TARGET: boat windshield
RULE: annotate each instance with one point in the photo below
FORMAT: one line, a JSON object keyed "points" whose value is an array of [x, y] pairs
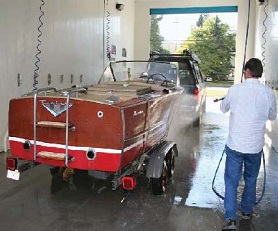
{"points": [[151, 71]]}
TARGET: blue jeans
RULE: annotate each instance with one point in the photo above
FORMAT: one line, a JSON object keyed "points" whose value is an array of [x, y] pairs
{"points": [[233, 173]]}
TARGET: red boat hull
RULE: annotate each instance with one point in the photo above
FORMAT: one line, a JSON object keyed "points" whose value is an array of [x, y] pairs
{"points": [[117, 133]]}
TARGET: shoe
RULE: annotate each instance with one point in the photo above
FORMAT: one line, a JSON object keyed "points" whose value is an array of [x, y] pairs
{"points": [[231, 225], [246, 216]]}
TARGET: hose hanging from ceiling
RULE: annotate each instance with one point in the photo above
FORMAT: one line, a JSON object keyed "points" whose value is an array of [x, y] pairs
{"points": [[263, 34], [106, 30], [246, 38], [108, 54], [36, 75]]}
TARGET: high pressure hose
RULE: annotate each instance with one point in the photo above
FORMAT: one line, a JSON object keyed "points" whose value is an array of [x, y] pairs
{"points": [[213, 188], [263, 34], [221, 196], [107, 29], [36, 75]]}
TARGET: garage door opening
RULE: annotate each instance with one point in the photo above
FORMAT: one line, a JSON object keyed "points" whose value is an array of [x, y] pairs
{"points": [[210, 32]]}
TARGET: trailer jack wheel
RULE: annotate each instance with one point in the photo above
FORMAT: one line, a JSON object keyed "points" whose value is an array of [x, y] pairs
{"points": [[159, 184]]}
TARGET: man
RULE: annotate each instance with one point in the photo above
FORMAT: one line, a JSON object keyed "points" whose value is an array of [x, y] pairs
{"points": [[250, 104]]}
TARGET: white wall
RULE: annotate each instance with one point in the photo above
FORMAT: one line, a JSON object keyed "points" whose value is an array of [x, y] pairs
{"points": [[267, 40], [74, 35], [268, 15]]}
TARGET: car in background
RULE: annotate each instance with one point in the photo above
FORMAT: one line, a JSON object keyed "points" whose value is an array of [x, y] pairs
{"points": [[209, 79], [190, 77]]}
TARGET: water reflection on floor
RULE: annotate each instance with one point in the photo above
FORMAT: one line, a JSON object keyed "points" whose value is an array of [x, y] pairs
{"points": [[210, 149], [205, 150]]}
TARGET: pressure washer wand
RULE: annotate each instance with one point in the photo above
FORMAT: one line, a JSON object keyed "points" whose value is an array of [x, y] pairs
{"points": [[216, 100]]}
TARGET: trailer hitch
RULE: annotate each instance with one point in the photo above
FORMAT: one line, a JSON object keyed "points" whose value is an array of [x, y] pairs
{"points": [[128, 184]]}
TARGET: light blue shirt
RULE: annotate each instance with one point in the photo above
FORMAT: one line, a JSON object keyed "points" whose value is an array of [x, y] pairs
{"points": [[250, 104]]}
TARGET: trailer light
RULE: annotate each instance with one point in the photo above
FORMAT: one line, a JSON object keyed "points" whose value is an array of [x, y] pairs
{"points": [[91, 154], [11, 163], [27, 145], [128, 183], [196, 91]]}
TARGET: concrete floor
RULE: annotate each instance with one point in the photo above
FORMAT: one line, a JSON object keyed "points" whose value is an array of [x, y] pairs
{"points": [[188, 204]]}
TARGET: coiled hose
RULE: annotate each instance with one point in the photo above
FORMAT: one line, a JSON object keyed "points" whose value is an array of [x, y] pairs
{"points": [[108, 54], [263, 34], [36, 75]]}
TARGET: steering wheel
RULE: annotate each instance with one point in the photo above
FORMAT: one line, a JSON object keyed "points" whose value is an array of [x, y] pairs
{"points": [[160, 75], [183, 72], [144, 75]]}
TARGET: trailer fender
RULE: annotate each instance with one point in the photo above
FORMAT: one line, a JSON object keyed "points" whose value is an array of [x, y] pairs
{"points": [[156, 161]]}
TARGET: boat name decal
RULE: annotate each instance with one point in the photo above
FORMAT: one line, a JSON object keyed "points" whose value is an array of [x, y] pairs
{"points": [[136, 113], [55, 108]]}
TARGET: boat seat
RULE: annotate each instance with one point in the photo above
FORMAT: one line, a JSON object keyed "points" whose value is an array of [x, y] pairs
{"points": [[115, 92]]}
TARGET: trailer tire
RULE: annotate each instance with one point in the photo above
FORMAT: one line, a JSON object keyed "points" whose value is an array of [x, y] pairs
{"points": [[170, 163], [54, 170], [159, 185], [196, 122]]}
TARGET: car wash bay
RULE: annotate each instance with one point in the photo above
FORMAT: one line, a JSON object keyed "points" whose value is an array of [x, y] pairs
{"points": [[188, 204]]}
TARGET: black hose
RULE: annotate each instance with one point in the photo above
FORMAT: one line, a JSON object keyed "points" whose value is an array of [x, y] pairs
{"points": [[263, 34], [108, 54], [221, 196], [213, 188]]}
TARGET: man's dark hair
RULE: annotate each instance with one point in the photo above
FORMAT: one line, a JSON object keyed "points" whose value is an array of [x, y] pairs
{"points": [[255, 67]]}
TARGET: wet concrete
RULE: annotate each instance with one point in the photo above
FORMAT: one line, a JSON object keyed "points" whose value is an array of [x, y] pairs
{"points": [[188, 204]]}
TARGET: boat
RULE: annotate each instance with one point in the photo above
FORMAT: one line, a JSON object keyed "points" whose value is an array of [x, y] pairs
{"points": [[109, 128]]}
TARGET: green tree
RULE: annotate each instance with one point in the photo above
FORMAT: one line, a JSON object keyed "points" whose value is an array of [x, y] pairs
{"points": [[201, 20], [214, 43], [155, 37]]}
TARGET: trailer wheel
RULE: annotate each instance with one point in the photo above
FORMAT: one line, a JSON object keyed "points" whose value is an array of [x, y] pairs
{"points": [[170, 163], [57, 182], [54, 170], [159, 184], [196, 122]]}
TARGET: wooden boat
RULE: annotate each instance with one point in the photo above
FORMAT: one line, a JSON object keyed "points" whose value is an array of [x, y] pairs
{"points": [[103, 128]]}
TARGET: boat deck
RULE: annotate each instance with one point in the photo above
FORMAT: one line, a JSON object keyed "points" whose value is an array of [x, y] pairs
{"points": [[110, 93]]}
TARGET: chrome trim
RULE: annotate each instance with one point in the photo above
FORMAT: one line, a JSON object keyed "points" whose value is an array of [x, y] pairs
{"points": [[67, 131], [29, 145], [100, 114], [55, 108], [91, 150], [75, 90], [35, 114]]}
